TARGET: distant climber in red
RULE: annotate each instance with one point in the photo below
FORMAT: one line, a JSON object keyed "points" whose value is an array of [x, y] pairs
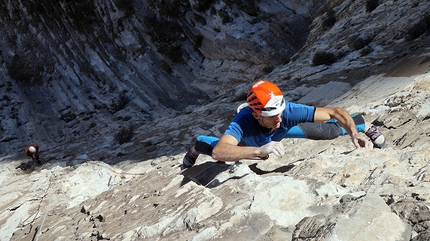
{"points": [[32, 151]]}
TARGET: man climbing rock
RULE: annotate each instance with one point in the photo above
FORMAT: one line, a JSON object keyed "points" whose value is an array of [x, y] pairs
{"points": [[267, 118], [32, 151]]}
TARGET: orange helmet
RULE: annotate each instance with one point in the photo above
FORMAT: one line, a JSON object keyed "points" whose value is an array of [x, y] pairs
{"points": [[266, 98]]}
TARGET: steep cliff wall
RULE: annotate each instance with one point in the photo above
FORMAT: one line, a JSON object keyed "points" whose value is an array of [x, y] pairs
{"points": [[76, 72]]}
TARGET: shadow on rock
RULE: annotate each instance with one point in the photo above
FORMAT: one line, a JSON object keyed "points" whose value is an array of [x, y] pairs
{"points": [[282, 169], [213, 174], [30, 166], [205, 173]]}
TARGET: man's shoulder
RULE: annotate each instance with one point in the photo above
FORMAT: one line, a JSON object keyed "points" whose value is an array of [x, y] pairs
{"points": [[292, 107], [298, 112], [244, 113], [299, 105]]}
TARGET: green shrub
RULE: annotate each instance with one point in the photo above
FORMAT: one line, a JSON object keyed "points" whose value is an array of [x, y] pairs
{"points": [[126, 6], [92, 125], [224, 16], [165, 66], [173, 52], [23, 69], [268, 69], [173, 8], [255, 20], [329, 20], [200, 19], [82, 14], [419, 28], [48, 8], [198, 40], [371, 5], [366, 50], [203, 5], [168, 37], [326, 58], [125, 134], [247, 6], [68, 116], [285, 59], [118, 103], [359, 42]]}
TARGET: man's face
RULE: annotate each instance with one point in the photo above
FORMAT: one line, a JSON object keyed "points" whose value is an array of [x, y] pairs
{"points": [[272, 122]]}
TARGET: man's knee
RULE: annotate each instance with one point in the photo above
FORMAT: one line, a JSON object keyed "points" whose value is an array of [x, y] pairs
{"points": [[205, 144], [321, 131], [359, 121], [203, 148]]}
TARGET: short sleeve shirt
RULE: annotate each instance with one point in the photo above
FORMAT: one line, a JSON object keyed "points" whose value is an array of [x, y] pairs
{"points": [[246, 129]]}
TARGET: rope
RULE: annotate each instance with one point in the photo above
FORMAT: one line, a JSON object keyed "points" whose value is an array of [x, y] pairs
{"points": [[39, 230], [112, 170], [46, 210]]}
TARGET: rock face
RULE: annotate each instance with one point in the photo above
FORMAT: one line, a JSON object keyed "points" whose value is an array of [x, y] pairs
{"points": [[77, 73], [87, 81], [320, 190]]}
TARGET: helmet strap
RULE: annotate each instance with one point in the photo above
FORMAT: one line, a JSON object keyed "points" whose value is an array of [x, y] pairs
{"points": [[261, 120]]}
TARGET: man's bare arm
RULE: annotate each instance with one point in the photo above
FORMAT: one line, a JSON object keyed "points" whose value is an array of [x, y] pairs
{"points": [[227, 150], [341, 115], [345, 120]]}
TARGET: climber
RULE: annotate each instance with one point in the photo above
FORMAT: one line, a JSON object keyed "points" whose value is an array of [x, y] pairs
{"points": [[32, 151], [258, 128]]}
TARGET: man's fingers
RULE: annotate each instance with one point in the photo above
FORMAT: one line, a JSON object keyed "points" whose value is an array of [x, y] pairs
{"points": [[274, 147], [279, 149], [362, 142], [276, 152], [356, 142], [369, 145]]}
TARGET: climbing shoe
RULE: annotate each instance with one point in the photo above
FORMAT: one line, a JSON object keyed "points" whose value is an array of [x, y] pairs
{"points": [[376, 136], [189, 159]]}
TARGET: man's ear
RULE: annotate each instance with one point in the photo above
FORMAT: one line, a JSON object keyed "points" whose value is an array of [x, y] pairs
{"points": [[256, 116]]}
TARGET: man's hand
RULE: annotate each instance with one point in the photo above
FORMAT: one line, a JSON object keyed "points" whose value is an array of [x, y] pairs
{"points": [[272, 147], [362, 142]]}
